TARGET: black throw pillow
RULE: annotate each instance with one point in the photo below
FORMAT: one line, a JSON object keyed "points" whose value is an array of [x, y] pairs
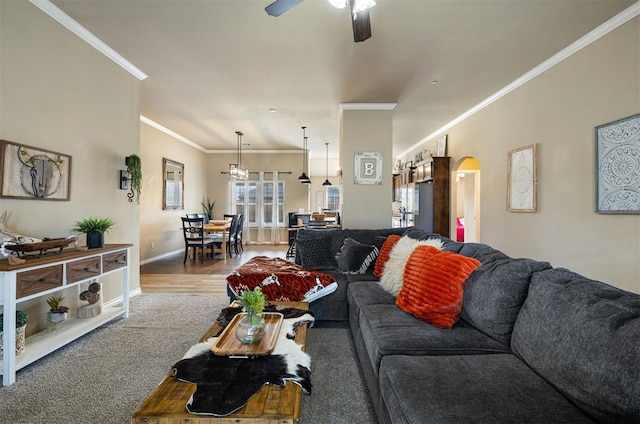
{"points": [[356, 258]]}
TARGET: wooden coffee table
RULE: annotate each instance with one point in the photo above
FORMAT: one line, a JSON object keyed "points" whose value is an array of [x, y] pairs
{"points": [[272, 404]]}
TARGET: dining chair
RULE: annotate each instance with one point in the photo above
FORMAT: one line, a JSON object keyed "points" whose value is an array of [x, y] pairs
{"points": [[193, 232], [237, 241], [231, 233]]}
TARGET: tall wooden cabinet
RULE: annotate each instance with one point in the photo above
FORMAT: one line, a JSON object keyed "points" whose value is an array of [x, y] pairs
{"points": [[432, 189]]}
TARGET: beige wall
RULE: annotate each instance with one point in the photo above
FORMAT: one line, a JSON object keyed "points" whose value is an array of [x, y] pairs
{"points": [[160, 229], [365, 205], [558, 110], [60, 94]]}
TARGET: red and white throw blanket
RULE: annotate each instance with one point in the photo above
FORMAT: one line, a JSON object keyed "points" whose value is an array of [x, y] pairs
{"points": [[281, 280]]}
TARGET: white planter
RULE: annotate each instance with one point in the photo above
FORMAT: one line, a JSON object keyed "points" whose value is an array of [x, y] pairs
{"points": [[55, 317], [20, 341]]}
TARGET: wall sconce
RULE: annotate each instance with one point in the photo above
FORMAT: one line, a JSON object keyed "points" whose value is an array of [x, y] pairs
{"points": [[131, 177]]}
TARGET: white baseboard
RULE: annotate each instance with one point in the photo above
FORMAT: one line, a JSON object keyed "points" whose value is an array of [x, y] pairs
{"points": [[118, 300], [157, 258]]}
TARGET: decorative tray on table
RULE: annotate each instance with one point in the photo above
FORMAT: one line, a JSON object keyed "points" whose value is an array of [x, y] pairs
{"points": [[229, 345]]}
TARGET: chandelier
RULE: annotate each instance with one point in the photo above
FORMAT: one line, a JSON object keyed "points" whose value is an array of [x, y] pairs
{"points": [[236, 170]]}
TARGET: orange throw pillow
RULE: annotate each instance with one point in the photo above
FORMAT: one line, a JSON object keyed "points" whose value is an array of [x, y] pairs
{"points": [[383, 256], [433, 282]]}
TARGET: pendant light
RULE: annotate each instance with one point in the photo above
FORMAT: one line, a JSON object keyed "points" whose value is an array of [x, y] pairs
{"points": [[327, 182], [303, 178], [236, 170], [306, 160]]}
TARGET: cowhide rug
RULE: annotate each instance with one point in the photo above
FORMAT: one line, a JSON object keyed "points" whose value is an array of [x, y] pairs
{"points": [[225, 384]]}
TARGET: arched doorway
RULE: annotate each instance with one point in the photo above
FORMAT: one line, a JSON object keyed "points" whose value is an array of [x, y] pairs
{"points": [[466, 175]]}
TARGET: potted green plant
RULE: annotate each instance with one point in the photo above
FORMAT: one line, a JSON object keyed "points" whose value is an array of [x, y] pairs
{"points": [[57, 312], [251, 327], [21, 325], [207, 207], [134, 168], [94, 228]]}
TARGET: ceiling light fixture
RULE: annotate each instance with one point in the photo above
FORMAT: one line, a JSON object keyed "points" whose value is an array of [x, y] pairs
{"points": [[236, 170], [340, 4], [327, 182], [361, 6], [306, 160], [303, 177]]}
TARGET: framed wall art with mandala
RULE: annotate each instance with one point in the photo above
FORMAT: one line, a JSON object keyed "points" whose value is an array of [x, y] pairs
{"points": [[32, 173], [522, 180], [618, 166]]}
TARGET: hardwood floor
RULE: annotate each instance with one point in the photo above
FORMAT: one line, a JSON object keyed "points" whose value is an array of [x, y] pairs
{"points": [[170, 276]]}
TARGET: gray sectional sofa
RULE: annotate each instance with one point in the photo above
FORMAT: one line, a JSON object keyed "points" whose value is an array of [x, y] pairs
{"points": [[535, 344]]}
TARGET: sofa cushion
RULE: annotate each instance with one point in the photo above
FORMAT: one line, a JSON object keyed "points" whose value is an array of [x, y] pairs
{"points": [[433, 282], [583, 337], [482, 252], [385, 251], [332, 307], [356, 257], [364, 293], [386, 330], [494, 294], [470, 389]]}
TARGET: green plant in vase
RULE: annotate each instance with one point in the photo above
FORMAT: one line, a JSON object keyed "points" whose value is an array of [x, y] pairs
{"points": [[94, 228], [207, 207], [251, 327], [134, 168], [21, 323]]}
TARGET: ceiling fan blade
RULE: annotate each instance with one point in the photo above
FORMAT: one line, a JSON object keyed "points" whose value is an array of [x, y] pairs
{"points": [[361, 26], [278, 7]]}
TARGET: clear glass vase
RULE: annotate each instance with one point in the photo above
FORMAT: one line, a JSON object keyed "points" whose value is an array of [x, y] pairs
{"points": [[250, 328]]}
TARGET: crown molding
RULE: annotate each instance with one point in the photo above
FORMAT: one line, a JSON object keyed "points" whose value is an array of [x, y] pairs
{"points": [[170, 133], [193, 144], [599, 32], [65, 20], [254, 152]]}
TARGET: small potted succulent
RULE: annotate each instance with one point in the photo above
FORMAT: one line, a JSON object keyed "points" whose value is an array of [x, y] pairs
{"points": [[21, 324], [94, 228], [251, 327], [57, 312]]}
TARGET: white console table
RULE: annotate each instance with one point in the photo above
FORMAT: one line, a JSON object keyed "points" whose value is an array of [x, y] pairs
{"points": [[47, 274]]}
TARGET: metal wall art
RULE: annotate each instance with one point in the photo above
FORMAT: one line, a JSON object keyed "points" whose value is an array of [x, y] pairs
{"points": [[32, 173], [618, 166], [368, 168], [522, 181]]}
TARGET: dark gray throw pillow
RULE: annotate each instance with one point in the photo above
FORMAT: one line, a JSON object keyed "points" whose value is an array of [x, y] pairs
{"points": [[316, 253], [356, 258]]}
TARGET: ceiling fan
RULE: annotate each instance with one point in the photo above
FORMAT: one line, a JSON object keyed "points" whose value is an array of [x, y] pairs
{"points": [[359, 9]]}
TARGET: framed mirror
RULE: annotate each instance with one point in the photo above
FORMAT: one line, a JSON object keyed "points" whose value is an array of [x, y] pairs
{"points": [[173, 177]]}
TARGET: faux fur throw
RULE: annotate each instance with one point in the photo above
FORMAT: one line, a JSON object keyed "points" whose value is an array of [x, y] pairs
{"points": [[225, 384], [281, 280]]}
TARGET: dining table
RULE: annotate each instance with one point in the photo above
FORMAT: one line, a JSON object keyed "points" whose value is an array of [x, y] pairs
{"points": [[219, 227]]}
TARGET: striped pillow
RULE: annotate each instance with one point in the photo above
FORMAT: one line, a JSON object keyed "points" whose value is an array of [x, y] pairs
{"points": [[383, 256], [433, 283]]}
